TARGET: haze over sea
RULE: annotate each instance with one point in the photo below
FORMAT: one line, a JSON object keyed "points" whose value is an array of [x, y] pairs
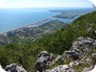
{"points": [[15, 18]]}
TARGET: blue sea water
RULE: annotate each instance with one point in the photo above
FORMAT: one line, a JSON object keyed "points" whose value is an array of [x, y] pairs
{"points": [[15, 18], [11, 19]]}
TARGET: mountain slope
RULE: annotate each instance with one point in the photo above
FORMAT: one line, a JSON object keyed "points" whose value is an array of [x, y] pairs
{"points": [[61, 40], [29, 34], [56, 43]]}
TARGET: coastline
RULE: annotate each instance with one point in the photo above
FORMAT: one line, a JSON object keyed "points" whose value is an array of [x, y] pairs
{"points": [[38, 23], [34, 24]]}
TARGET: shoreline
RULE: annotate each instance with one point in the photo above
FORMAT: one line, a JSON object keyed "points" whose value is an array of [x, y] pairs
{"points": [[34, 24]]}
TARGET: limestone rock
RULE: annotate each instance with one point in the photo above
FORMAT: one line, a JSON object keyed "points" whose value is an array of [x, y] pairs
{"points": [[86, 69], [14, 68], [43, 61], [94, 58], [61, 68], [71, 54], [83, 42]]}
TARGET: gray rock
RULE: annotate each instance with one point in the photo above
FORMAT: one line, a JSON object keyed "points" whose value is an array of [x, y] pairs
{"points": [[86, 69], [88, 60], [59, 58], [71, 54], [95, 31], [43, 61], [84, 43], [94, 58], [79, 48], [14, 68], [75, 63], [61, 68], [94, 44]]}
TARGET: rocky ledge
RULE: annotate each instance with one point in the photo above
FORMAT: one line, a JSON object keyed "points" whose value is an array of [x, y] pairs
{"points": [[81, 54]]}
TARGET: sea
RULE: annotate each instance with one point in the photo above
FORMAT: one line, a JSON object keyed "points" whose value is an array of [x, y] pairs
{"points": [[11, 19]]}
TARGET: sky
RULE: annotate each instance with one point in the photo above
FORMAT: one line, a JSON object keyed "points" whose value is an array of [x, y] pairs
{"points": [[93, 2], [44, 3]]}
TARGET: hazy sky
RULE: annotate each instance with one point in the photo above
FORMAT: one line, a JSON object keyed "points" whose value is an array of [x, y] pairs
{"points": [[44, 3]]}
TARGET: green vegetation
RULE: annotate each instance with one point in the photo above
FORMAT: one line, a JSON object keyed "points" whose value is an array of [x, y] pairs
{"points": [[62, 39], [72, 13], [30, 34], [56, 43]]}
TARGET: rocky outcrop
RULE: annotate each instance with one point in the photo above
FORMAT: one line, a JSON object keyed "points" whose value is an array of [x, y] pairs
{"points": [[86, 69], [14, 68], [61, 68], [79, 47], [94, 58], [43, 62], [77, 53], [84, 43], [78, 50], [71, 54]]}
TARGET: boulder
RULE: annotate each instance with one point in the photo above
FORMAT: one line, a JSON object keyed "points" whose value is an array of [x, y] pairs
{"points": [[82, 42], [14, 68], [43, 61], [79, 47]]}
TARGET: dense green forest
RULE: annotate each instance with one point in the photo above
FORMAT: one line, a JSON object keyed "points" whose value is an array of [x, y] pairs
{"points": [[56, 43]]}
